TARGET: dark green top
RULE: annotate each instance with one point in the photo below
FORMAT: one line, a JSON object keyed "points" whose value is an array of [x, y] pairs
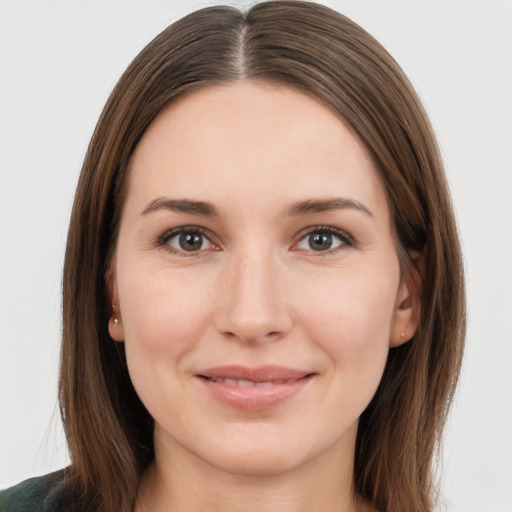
{"points": [[41, 494]]}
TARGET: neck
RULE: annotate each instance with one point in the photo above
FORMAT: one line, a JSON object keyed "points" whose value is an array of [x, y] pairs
{"points": [[185, 483]]}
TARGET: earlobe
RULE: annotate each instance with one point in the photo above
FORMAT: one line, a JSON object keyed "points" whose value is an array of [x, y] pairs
{"points": [[408, 303], [115, 327], [115, 324]]}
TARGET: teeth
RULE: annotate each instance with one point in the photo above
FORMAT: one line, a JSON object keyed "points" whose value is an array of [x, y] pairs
{"points": [[247, 383]]}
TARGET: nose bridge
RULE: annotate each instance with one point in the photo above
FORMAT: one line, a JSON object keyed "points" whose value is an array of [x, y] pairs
{"points": [[254, 307]]}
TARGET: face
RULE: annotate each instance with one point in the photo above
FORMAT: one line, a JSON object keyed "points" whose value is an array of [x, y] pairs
{"points": [[256, 280]]}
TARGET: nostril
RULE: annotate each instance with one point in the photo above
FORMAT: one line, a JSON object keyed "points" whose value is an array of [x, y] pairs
{"points": [[251, 336]]}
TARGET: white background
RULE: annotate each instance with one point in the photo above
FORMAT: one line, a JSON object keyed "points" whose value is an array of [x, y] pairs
{"points": [[58, 62]]}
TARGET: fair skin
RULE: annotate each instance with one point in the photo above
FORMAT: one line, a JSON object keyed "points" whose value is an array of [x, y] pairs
{"points": [[255, 245]]}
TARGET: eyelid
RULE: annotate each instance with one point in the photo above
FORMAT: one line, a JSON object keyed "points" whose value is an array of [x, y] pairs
{"points": [[163, 239], [347, 239]]}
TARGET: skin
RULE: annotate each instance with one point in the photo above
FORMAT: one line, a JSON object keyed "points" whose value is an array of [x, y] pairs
{"points": [[254, 293]]}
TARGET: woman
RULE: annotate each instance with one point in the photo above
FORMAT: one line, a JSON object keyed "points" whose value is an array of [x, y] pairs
{"points": [[263, 293]]}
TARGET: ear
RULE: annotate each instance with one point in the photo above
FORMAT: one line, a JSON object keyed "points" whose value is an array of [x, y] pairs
{"points": [[115, 323], [408, 301]]}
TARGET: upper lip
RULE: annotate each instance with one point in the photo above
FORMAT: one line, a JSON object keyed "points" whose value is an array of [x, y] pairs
{"points": [[267, 373]]}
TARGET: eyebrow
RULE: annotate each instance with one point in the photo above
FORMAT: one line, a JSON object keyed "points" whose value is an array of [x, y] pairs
{"points": [[307, 207], [323, 205], [183, 206]]}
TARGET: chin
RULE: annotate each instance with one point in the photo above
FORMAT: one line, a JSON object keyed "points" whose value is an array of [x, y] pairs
{"points": [[253, 456], [258, 465]]}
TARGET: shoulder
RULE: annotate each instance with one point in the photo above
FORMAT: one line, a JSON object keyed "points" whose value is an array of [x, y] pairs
{"points": [[41, 494]]}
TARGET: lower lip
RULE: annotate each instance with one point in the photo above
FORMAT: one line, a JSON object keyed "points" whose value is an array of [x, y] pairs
{"points": [[254, 398]]}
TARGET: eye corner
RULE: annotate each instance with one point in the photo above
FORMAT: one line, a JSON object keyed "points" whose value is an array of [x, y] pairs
{"points": [[323, 237], [198, 239]]}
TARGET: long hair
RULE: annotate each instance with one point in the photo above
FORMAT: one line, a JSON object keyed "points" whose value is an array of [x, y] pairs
{"points": [[313, 49]]}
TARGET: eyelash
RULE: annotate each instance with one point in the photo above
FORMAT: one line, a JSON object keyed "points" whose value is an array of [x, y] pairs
{"points": [[346, 240], [163, 240]]}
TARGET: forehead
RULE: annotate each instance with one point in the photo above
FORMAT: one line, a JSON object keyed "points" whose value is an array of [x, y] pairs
{"points": [[246, 140]]}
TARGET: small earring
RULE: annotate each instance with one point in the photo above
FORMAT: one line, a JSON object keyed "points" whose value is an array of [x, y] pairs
{"points": [[116, 321], [403, 335]]}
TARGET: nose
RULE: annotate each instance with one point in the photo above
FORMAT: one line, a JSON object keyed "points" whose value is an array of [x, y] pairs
{"points": [[253, 300]]}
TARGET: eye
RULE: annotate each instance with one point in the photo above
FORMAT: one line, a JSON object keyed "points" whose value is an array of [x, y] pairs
{"points": [[188, 240], [324, 239]]}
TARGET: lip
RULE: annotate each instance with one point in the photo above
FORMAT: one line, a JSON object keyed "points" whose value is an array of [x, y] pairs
{"points": [[261, 388]]}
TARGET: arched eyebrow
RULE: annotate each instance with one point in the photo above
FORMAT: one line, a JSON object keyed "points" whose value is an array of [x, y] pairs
{"points": [[183, 206], [311, 206], [307, 207]]}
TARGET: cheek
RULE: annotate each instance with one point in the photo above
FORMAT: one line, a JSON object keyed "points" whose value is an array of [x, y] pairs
{"points": [[164, 320], [162, 314], [350, 319]]}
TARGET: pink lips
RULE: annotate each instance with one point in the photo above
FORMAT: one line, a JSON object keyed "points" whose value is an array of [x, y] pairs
{"points": [[253, 389]]}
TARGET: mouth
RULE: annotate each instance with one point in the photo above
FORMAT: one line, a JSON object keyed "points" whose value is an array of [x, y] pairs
{"points": [[242, 383], [254, 389]]}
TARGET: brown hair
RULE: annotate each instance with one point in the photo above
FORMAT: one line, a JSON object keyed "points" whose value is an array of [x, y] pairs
{"points": [[314, 49]]}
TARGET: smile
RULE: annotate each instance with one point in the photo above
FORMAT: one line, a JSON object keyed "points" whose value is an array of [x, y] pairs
{"points": [[254, 389], [247, 383]]}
